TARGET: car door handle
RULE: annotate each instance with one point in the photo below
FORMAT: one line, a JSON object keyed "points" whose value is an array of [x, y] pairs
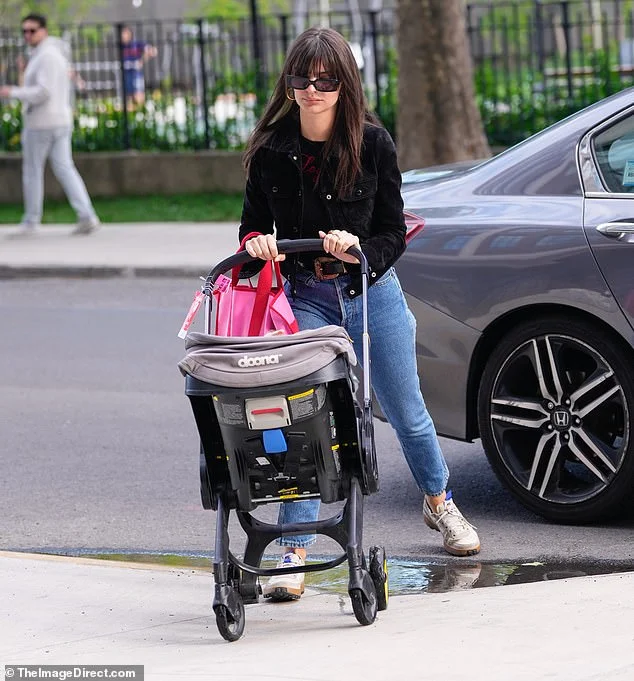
{"points": [[616, 229]]}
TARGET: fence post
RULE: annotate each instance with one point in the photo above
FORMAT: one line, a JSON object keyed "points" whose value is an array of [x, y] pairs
{"points": [[565, 24], [539, 34], [284, 29], [203, 76], [377, 78], [124, 94], [257, 50]]}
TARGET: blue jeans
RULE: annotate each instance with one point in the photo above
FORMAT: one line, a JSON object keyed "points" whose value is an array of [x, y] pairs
{"points": [[392, 330]]}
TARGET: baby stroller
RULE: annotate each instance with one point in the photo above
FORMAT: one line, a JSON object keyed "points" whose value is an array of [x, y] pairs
{"points": [[278, 421]]}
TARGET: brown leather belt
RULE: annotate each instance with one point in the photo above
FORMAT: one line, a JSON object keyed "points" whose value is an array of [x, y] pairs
{"points": [[328, 268]]}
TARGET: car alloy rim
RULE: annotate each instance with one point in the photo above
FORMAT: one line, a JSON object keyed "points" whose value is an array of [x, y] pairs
{"points": [[559, 418]]}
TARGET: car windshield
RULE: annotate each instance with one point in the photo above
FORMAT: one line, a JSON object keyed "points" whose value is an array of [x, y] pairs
{"points": [[424, 174]]}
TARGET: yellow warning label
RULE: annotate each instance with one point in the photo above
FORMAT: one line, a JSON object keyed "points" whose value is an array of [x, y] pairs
{"points": [[306, 394], [289, 491]]}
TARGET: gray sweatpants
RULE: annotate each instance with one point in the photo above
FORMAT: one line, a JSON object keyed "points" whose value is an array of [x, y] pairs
{"points": [[53, 144]]}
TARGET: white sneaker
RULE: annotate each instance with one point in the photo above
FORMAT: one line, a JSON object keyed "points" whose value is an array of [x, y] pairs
{"points": [[86, 226], [459, 536], [26, 231], [286, 587]]}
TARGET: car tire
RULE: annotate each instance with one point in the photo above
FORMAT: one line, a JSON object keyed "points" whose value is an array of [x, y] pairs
{"points": [[555, 409]]}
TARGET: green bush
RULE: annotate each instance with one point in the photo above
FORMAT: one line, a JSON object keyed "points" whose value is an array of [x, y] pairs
{"points": [[163, 124]]}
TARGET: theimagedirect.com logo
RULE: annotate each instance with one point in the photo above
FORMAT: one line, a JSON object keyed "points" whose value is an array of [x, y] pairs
{"points": [[65, 672]]}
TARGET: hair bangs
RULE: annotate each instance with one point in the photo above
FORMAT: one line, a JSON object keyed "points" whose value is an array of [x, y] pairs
{"points": [[315, 57]]}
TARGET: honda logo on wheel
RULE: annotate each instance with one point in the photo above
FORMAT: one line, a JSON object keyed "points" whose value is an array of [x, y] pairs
{"points": [[561, 419]]}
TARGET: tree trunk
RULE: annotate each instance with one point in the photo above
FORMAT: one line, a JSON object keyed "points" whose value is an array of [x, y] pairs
{"points": [[438, 118]]}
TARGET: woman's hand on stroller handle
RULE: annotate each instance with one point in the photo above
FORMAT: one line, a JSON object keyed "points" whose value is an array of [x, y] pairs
{"points": [[264, 247], [283, 246], [337, 242]]}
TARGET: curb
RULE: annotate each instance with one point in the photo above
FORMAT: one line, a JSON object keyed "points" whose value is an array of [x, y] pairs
{"points": [[98, 271], [131, 565], [97, 562]]}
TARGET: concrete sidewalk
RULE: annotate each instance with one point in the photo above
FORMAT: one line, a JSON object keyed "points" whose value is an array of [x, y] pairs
{"points": [[79, 611], [144, 249]]}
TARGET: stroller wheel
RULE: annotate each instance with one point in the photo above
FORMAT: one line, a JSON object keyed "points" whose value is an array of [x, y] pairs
{"points": [[365, 609], [230, 628], [378, 572]]}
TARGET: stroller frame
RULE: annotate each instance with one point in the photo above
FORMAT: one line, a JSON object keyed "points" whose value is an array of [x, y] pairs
{"points": [[236, 581]]}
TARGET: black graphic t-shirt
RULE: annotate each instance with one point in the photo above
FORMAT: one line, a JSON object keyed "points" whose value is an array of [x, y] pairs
{"points": [[315, 215]]}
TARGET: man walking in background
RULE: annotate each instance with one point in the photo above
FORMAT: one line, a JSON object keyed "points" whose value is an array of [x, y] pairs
{"points": [[47, 129]]}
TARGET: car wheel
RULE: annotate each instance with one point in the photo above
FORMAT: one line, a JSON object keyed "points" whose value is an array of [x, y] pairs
{"points": [[554, 408]]}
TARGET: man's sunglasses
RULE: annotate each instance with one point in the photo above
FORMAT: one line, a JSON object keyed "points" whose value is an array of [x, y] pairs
{"points": [[320, 84], [28, 31]]}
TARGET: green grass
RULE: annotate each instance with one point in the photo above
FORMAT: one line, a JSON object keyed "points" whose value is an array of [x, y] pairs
{"points": [[211, 207]]}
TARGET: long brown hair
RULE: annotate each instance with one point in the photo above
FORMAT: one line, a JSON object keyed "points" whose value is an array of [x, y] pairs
{"points": [[327, 48]]}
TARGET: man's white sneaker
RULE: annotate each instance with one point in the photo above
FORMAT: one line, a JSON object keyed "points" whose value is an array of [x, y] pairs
{"points": [[26, 231], [86, 227], [286, 587], [459, 536]]}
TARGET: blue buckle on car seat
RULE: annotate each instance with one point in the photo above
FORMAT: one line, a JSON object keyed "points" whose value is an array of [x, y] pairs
{"points": [[274, 441]]}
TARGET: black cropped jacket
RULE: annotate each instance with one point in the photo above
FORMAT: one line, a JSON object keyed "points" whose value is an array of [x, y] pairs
{"points": [[373, 210]]}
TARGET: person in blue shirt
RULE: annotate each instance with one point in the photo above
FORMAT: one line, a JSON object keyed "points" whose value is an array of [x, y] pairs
{"points": [[134, 55]]}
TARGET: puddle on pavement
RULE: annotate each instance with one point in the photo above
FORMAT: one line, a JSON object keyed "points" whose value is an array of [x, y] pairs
{"points": [[405, 576]]}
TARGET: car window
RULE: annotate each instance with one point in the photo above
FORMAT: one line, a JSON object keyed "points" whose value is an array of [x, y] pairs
{"points": [[614, 152]]}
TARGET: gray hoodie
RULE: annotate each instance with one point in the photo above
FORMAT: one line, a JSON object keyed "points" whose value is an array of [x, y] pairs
{"points": [[46, 90]]}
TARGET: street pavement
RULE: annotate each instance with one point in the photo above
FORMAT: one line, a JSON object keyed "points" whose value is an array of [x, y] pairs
{"points": [[73, 611]]}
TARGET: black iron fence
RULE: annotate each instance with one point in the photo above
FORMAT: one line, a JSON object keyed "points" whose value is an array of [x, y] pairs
{"points": [[201, 84]]}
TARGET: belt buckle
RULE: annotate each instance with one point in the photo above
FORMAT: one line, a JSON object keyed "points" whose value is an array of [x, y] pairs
{"points": [[318, 266]]}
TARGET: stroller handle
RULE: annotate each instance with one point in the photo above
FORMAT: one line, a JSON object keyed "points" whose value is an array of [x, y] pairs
{"points": [[307, 245], [283, 246]]}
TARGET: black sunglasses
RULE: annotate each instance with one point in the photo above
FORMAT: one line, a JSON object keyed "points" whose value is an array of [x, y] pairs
{"points": [[320, 84], [30, 30]]}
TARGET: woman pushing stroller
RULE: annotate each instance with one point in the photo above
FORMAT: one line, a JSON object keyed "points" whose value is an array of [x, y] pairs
{"points": [[319, 165]]}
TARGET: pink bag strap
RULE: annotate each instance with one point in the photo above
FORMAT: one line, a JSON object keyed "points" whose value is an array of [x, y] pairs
{"points": [[265, 283], [235, 272], [263, 290], [250, 235], [262, 295]]}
